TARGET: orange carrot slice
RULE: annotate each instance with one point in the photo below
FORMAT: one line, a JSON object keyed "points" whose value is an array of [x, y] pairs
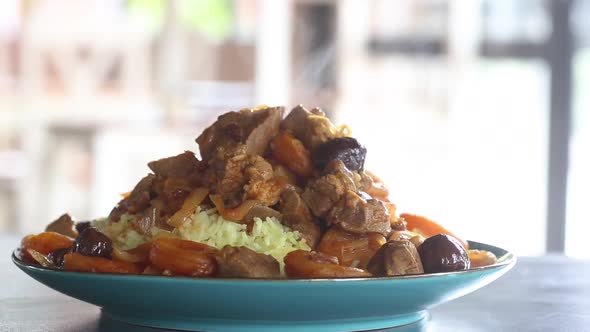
{"points": [[290, 152], [81, 263], [427, 227]]}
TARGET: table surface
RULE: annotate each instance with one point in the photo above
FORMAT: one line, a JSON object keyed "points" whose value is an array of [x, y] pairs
{"points": [[550, 293]]}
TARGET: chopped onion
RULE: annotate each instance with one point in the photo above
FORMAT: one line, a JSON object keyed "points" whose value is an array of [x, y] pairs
{"points": [[188, 208], [128, 257], [41, 259], [235, 214]]}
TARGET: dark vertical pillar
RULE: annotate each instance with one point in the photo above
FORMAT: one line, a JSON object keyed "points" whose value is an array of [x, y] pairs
{"points": [[560, 55]]}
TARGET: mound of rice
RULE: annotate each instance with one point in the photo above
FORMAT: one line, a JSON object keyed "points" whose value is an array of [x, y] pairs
{"points": [[268, 236]]}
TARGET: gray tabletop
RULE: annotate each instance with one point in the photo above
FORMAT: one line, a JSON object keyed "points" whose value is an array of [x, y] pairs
{"points": [[549, 293]]}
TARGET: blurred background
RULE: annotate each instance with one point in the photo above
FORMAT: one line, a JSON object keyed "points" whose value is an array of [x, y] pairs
{"points": [[473, 112]]}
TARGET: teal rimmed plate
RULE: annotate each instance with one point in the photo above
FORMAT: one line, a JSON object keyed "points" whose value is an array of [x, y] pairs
{"points": [[239, 305]]}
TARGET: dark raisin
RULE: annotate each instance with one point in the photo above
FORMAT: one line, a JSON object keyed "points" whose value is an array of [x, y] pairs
{"points": [[81, 226], [91, 242], [57, 256]]}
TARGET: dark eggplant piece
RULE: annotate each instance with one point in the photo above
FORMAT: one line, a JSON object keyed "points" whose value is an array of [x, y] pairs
{"points": [[346, 149], [91, 242], [443, 253]]}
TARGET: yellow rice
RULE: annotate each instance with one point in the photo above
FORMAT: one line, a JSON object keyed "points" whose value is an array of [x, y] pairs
{"points": [[268, 236]]}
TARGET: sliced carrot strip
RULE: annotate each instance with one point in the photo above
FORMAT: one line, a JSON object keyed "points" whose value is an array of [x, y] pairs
{"points": [[427, 227], [80, 263], [290, 152], [44, 243]]}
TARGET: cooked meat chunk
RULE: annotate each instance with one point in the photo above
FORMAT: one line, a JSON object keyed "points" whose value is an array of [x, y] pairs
{"points": [[257, 169], [174, 179], [312, 128], [373, 186], [258, 140], [243, 177], [322, 193], [396, 258], [291, 203], [346, 149], [242, 262], [355, 215], [254, 128], [296, 216], [172, 192], [181, 166], [63, 225], [266, 192], [137, 201]]}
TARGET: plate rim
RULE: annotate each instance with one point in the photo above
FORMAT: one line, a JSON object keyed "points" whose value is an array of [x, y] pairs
{"points": [[507, 260]]}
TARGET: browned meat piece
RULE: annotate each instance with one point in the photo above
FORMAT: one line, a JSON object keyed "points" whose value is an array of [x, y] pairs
{"points": [[312, 128], [257, 169], [245, 177], [291, 203], [172, 192], [322, 193], [296, 216], [373, 186], [355, 215], [266, 192], [396, 258], [63, 225], [181, 166], [137, 201], [228, 176], [259, 138], [242, 262], [253, 128], [175, 177]]}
